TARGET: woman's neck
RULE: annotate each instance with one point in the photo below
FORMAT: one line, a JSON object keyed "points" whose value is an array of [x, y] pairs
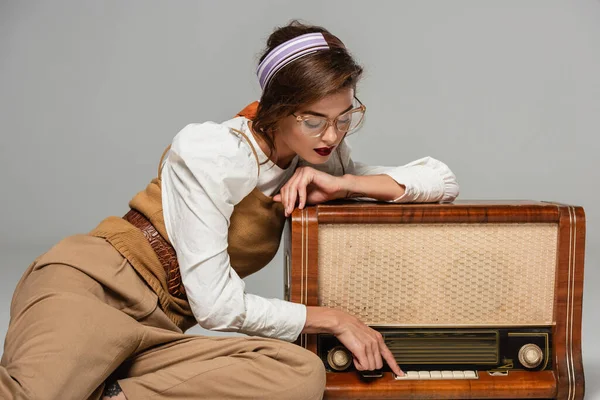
{"points": [[282, 156]]}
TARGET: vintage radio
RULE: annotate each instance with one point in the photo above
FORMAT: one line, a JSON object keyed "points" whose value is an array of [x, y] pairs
{"points": [[475, 299]]}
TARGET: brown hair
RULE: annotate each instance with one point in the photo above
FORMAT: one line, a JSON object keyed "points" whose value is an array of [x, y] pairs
{"points": [[303, 81]]}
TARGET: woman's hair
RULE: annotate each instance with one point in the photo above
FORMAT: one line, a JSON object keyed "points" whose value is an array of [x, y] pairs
{"points": [[303, 81]]}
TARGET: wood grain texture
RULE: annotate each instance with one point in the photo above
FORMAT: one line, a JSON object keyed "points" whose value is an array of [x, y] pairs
{"points": [[304, 265], [565, 381], [459, 212], [568, 364], [517, 385]]}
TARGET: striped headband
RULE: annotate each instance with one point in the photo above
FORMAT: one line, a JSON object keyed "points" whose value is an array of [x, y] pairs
{"points": [[287, 52]]}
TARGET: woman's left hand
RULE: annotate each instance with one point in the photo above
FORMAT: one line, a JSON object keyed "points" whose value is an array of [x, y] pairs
{"points": [[311, 186]]}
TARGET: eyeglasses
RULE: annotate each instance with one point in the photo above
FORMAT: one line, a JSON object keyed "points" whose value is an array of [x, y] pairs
{"points": [[348, 122]]}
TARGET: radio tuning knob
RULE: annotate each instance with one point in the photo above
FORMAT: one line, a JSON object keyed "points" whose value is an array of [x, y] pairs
{"points": [[530, 355], [339, 358]]}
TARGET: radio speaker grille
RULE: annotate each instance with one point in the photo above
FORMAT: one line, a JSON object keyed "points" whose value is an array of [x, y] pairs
{"points": [[439, 274]]}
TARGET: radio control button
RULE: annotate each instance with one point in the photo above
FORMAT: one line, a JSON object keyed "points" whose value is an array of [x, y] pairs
{"points": [[530, 355], [412, 375], [339, 358], [424, 375], [436, 374], [470, 375], [458, 374], [447, 374]]}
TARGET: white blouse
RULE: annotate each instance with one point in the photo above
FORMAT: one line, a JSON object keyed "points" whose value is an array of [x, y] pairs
{"points": [[208, 170]]}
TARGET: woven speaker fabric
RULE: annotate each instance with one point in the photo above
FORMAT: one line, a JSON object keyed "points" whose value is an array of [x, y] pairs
{"points": [[439, 274]]}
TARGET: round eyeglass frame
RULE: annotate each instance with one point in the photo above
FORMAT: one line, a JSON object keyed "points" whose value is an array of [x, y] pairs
{"points": [[361, 107]]}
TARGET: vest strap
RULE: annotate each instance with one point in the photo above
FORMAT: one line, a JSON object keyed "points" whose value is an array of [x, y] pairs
{"points": [[160, 163], [251, 146]]}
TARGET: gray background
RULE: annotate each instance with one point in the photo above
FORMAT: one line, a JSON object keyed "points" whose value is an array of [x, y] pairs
{"points": [[507, 93]]}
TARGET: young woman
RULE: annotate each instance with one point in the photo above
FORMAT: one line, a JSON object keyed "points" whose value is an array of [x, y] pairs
{"points": [[113, 305]]}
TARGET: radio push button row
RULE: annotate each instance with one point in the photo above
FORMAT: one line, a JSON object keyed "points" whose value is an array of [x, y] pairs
{"points": [[443, 375], [530, 355], [339, 358]]}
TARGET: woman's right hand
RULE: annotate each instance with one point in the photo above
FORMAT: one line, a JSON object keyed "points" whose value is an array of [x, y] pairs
{"points": [[366, 344]]}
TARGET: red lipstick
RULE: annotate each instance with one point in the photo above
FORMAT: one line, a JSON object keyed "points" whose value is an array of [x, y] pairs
{"points": [[324, 151]]}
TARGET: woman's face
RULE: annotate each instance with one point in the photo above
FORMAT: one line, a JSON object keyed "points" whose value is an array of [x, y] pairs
{"points": [[290, 137]]}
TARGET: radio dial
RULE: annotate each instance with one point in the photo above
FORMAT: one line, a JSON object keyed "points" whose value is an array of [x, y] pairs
{"points": [[339, 358], [531, 355]]}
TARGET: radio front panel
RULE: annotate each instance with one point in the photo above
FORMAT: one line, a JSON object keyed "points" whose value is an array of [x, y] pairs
{"points": [[476, 299]]}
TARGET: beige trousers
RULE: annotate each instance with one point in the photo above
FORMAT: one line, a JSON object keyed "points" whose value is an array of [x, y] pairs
{"points": [[81, 313]]}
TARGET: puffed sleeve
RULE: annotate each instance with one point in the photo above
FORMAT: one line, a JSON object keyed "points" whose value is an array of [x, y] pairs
{"points": [[210, 169], [426, 180]]}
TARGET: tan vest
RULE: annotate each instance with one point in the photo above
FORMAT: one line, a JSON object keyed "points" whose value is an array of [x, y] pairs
{"points": [[254, 235]]}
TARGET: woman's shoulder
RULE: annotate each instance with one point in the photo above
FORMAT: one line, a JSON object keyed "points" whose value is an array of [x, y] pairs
{"points": [[221, 143], [212, 157]]}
